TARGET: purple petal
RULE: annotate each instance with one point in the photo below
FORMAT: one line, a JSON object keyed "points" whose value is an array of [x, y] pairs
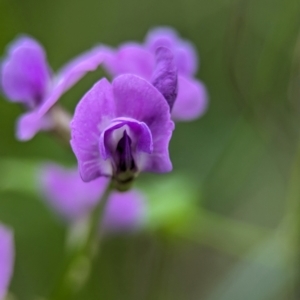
{"points": [[124, 212], [136, 98], [25, 72], [67, 194], [71, 74], [161, 37], [30, 123], [192, 100], [92, 115], [7, 254], [165, 75], [130, 58], [140, 140], [138, 131], [185, 54]]}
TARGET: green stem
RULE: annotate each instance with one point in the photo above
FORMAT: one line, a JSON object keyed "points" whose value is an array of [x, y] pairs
{"points": [[61, 124], [96, 219], [79, 262]]}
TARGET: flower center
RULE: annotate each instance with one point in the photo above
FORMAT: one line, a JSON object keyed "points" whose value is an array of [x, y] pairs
{"points": [[124, 159], [126, 142]]}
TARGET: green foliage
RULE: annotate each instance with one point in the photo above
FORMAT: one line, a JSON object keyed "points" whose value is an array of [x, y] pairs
{"points": [[172, 204]]}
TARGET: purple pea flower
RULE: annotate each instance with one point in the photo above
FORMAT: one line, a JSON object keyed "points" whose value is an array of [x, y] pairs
{"points": [[6, 259], [122, 128], [27, 78], [140, 59], [73, 199]]}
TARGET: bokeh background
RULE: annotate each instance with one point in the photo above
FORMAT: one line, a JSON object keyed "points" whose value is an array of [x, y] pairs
{"points": [[224, 225]]}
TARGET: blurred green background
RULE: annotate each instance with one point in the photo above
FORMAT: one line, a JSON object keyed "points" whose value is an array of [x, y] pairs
{"points": [[234, 233]]}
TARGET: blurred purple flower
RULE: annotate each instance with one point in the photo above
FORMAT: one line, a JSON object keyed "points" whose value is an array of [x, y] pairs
{"points": [[6, 259], [125, 211], [27, 78], [73, 199], [121, 129], [67, 194], [139, 59]]}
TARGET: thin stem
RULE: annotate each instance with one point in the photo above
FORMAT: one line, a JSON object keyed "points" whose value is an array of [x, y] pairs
{"points": [[96, 219], [78, 265], [61, 120]]}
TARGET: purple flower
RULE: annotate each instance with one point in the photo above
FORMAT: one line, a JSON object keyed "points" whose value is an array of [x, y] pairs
{"points": [[125, 211], [73, 199], [185, 54], [140, 59], [122, 128], [6, 259], [67, 194], [27, 78]]}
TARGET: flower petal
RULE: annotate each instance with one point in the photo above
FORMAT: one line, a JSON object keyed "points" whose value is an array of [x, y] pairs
{"points": [[165, 75], [138, 131], [124, 212], [130, 58], [140, 138], [30, 123], [136, 98], [71, 74], [92, 115], [67, 194], [185, 54], [25, 75], [7, 254], [192, 100]]}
